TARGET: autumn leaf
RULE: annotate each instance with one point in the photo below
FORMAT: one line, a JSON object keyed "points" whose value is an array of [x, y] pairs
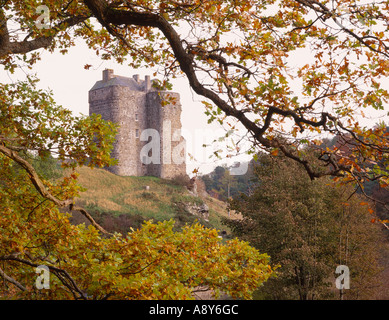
{"points": [[237, 57]]}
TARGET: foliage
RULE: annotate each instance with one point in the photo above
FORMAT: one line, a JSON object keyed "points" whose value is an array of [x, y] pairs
{"points": [[240, 56], [88, 263], [49, 167], [222, 185], [248, 54], [31, 121], [153, 262], [181, 180], [309, 228]]}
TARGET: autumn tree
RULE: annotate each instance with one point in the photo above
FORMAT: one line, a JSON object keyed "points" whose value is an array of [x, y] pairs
{"points": [[221, 183], [154, 262], [240, 56], [309, 228]]}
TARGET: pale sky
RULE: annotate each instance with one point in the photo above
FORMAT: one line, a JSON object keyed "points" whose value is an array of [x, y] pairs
{"points": [[70, 82]]}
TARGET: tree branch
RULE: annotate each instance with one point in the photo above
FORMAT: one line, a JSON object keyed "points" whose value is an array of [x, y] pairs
{"points": [[108, 15], [40, 187], [11, 280], [21, 47], [326, 14], [61, 274], [36, 181]]}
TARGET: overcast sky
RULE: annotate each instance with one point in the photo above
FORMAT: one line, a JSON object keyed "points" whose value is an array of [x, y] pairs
{"points": [[70, 82]]}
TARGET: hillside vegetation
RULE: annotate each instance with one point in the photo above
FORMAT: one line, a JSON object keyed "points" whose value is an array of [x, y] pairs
{"points": [[122, 203]]}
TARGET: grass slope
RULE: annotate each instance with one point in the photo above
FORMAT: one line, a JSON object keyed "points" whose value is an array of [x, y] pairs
{"points": [[110, 196]]}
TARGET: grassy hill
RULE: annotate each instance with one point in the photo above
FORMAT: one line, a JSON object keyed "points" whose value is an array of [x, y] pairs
{"points": [[119, 203]]}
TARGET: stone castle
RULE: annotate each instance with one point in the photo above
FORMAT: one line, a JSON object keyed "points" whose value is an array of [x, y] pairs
{"points": [[149, 141]]}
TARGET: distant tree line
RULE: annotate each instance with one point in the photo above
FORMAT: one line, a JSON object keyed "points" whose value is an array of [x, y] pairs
{"points": [[222, 185]]}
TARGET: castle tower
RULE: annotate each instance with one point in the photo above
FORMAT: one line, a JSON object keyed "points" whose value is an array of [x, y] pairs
{"points": [[149, 140]]}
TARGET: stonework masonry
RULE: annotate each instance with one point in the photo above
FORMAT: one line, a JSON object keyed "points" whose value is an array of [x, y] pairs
{"points": [[149, 140]]}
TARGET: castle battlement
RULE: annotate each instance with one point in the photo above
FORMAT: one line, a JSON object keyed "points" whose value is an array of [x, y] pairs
{"points": [[149, 140]]}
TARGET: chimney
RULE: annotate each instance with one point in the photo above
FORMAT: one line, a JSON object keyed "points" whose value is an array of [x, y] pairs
{"points": [[136, 77], [107, 74], [147, 83]]}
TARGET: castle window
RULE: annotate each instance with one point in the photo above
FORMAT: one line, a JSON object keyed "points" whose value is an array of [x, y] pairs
{"points": [[136, 117], [137, 133]]}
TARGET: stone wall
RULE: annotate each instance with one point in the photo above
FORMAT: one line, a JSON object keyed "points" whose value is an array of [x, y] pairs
{"points": [[137, 108], [166, 120]]}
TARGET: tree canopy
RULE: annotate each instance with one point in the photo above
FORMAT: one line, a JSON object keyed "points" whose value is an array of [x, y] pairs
{"points": [[288, 71], [154, 262], [309, 228], [242, 57]]}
